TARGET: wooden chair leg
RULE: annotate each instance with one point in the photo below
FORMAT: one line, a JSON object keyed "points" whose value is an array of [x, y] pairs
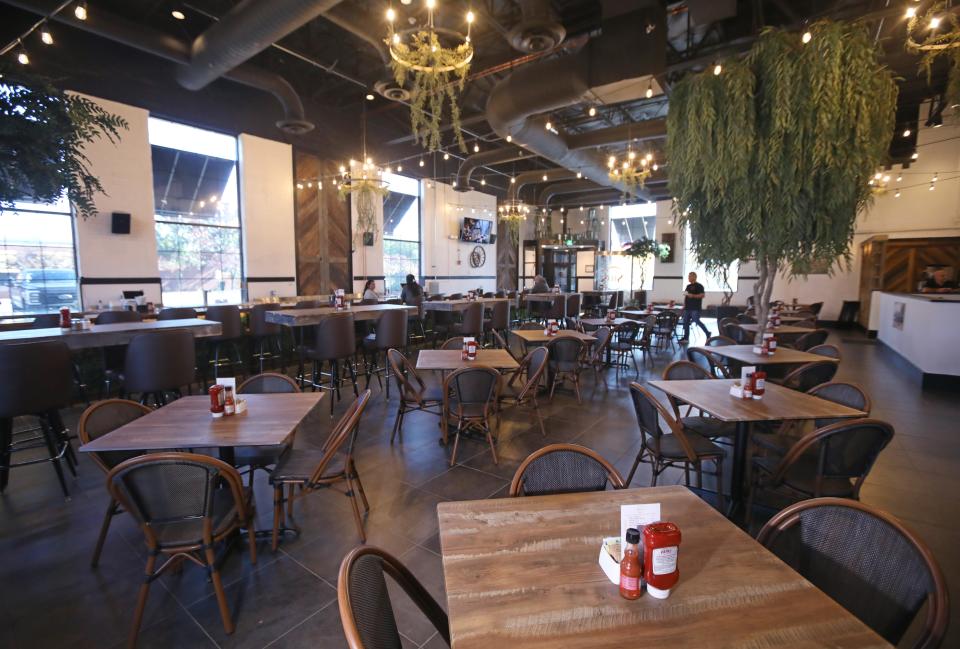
{"points": [[363, 494], [356, 509], [141, 601], [225, 616], [720, 502], [536, 410], [277, 515], [112, 508]]}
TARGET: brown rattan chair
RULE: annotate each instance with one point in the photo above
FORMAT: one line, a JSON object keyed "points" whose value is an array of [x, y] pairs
{"points": [[366, 611], [868, 562], [263, 457], [313, 469], [813, 339], [809, 375], [709, 362], [830, 351], [563, 469], [456, 342], [719, 341], [501, 343], [268, 383], [566, 354], [415, 393], [709, 427], [470, 398], [676, 448], [96, 421], [185, 504], [534, 364]]}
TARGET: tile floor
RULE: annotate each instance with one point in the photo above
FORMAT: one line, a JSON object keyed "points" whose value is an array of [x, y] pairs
{"points": [[51, 597]]}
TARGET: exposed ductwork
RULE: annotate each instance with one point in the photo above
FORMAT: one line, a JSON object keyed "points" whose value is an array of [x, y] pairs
{"points": [[631, 46], [565, 188], [351, 19], [492, 157], [537, 176], [246, 30], [538, 29], [167, 47]]}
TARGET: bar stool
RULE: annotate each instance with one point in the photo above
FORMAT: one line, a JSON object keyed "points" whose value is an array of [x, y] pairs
{"points": [[52, 321], [113, 357], [573, 306], [228, 315], [265, 333], [391, 331], [157, 363], [38, 383], [472, 322], [335, 341], [302, 338], [499, 320], [177, 313]]}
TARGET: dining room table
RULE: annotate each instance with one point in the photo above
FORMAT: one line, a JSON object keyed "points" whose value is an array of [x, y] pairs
{"points": [[109, 335], [745, 355], [523, 573], [452, 359], [639, 314], [313, 316], [713, 397], [461, 305]]}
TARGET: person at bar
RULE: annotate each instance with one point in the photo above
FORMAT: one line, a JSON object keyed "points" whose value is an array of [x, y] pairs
{"points": [[370, 291], [540, 285], [938, 283], [692, 306], [412, 293]]}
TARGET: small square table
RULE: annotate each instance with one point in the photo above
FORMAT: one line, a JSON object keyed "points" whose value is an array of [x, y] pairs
{"points": [[603, 322], [523, 573], [783, 356], [781, 330], [451, 359], [778, 404], [536, 336]]}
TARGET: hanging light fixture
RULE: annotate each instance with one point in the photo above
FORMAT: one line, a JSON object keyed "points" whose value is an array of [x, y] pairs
{"points": [[46, 37], [80, 11], [511, 214], [22, 57]]}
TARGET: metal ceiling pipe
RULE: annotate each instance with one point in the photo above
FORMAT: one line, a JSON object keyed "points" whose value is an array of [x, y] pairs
{"points": [[653, 129], [570, 203], [492, 157], [358, 23], [549, 192], [156, 43], [246, 30], [537, 176]]}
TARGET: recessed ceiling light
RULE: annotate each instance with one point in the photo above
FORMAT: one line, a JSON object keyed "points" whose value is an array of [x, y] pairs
{"points": [[179, 15], [369, 96]]}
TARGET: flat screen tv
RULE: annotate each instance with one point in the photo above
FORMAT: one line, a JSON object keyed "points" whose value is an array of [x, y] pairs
{"points": [[475, 230]]}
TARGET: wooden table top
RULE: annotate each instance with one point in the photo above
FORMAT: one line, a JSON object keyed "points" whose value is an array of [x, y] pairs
{"points": [[639, 314], [778, 403], [537, 335], [792, 318], [450, 359], [270, 419], [461, 305], [783, 355], [545, 297], [305, 317], [782, 329], [108, 335], [523, 573], [603, 322]]}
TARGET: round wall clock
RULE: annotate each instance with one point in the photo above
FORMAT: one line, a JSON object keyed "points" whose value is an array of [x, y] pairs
{"points": [[478, 257]]}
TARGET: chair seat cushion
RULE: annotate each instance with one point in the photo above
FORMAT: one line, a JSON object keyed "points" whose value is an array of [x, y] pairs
{"points": [[801, 476], [190, 531], [259, 456], [671, 448], [709, 426], [299, 464]]}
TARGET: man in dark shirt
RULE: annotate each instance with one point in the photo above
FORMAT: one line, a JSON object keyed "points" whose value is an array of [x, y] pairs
{"points": [[938, 283], [692, 305], [412, 293]]}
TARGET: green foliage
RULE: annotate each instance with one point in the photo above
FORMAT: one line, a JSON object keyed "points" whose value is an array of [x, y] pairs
{"points": [[933, 44], [42, 134], [438, 74], [645, 247], [365, 192], [770, 159]]}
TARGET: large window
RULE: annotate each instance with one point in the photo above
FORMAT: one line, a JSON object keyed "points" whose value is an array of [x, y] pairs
{"points": [[38, 270], [627, 224], [711, 281], [197, 214], [401, 231]]}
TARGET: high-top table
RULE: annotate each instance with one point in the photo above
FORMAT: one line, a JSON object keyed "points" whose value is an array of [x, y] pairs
{"points": [[549, 297], [461, 305], [306, 317], [523, 573], [109, 335]]}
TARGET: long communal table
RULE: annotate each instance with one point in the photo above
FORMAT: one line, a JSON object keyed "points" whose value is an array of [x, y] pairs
{"points": [[307, 317], [109, 335]]}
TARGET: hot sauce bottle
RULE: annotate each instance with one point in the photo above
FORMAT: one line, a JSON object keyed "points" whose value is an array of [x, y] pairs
{"points": [[630, 566], [229, 405], [661, 549]]}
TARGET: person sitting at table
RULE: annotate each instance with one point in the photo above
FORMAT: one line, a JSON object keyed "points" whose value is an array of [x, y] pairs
{"points": [[370, 291], [412, 293], [692, 306], [938, 283], [540, 285]]}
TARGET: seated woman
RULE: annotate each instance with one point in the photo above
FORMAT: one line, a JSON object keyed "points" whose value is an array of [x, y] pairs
{"points": [[370, 292], [938, 283], [412, 293]]}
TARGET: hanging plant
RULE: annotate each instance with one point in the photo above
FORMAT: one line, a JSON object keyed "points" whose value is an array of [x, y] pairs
{"points": [[435, 75], [770, 159], [365, 193], [42, 134], [512, 215], [935, 34]]}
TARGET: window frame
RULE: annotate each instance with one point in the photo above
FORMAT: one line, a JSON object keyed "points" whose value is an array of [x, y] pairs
{"points": [[418, 241]]}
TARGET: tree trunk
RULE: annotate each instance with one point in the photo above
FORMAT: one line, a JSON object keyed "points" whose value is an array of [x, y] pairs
{"points": [[762, 289]]}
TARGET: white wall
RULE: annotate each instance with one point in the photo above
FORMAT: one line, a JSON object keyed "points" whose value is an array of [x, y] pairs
{"points": [[367, 260], [126, 173], [266, 208], [445, 257]]}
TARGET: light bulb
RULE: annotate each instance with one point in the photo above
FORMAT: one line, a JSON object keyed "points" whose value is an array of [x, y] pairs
{"points": [[631, 155], [470, 17], [399, 168], [906, 132], [179, 15], [369, 96], [369, 161], [899, 177], [544, 177], [431, 4], [309, 184], [548, 125], [454, 183], [579, 174], [46, 36], [806, 37], [80, 11], [655, 166], [509, 138], [343, 169], [935, 177], [886, 179], [483, 181], [877, 175], [396, 39], [911, 12], [513, 180], [932, 186], [611, 161], [592, 112], [352, 163], [299, 185], [934, 22], [897, 195], [717, 69], [391, 14], [23, 58], [446, 156], [421, 162], [650, 90], [476, 148]]}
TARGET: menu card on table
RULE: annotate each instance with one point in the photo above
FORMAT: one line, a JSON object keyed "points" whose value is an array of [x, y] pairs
{"points": [[636, 516]]}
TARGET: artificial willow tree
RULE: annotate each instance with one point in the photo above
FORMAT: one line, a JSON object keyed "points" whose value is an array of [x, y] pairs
{"points": [[42, 134], [770, 159], [641, 250]]}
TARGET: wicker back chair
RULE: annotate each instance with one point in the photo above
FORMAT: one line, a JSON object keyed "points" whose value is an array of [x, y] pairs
{"points": [[268, 383], [562, 469], [263, 457], [709, 362], [366, 611], [847, 394], [470, 398], [624, 344], [96, 421], [666, 328], [534, 364], [596, 357], [720, 341], [807, 376], [415, 394], [456, 342], [867, 561], [566, 353], [813, 339]]}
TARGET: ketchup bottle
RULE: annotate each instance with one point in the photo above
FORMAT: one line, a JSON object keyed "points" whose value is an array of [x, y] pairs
{"points": [[630, 567], [759, 383], [661, 549]]}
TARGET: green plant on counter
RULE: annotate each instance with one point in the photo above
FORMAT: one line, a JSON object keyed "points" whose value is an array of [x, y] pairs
{"points": [[770, 157], [43, 131]]}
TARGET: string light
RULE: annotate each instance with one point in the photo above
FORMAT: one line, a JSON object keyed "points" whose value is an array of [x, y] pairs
{"points": [[936, 177], [509, 138], [717, 69], [446, 156], [650, 89], [80, 11], [422, 163], [548, 126], [592, 112], [476, 148], [906, 132], [483, 181], [179, 15], [911, 12], [391, 14], [22, 57], [369, 96], [899, 177], [934, 22], [544, 177], [897, 195], [806, 37], [513, 181], [45, 36]]}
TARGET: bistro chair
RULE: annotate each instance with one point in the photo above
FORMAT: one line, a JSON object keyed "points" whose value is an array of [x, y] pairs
{"points": [[810, 340], [96, 421], [709, 362], [37, 383], [573, 306], [809, 375], [185, 505], [117, 317], [830, 351], [313, 469], [676, 448], [665, 329], [470, 398], [719, 341], [596, 357], [740, 335], [868, 562], [231, 333], [709, 427], [265, 336], [534, 364], [471, 323], [746, 318], [366, 612], [158, 363], [390, 332], [415, 393], [723, 322], [177, 313], [269, 383], [263, 457], [455, 342], [564, 469], [566, 354], [830, 461], [623, 346], [334, 341]]}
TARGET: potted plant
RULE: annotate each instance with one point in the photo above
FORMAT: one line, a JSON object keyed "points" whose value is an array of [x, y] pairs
{"points": [[641, 250]]}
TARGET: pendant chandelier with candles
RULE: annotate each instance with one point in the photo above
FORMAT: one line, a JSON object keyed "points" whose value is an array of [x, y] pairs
{"points": [[632, 169], [363, 181], [933, 33], [433, 62], [512, 214]]}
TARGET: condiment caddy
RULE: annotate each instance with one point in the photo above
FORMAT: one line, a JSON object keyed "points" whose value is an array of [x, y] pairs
{"points": [[552, 328], [223, 400], [645, 555], [752, 384]]}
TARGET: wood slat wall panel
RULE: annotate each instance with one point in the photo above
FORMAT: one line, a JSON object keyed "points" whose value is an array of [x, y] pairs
{"points": [[322, 229]]}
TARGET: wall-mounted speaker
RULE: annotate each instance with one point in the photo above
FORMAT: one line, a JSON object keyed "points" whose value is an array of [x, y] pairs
{"points": [[493, 238], [120, 223]]}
